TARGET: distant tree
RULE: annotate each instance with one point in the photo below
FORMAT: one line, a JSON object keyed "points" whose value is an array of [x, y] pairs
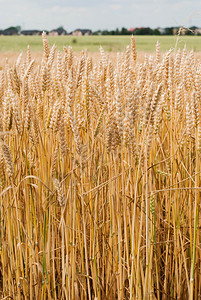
{"points": [[193, 28], [189, 32], [97, 32], [11, 31], [18, 29], [105, 32], [124, 31], [156, 32], [144, 31], [117, 32], [11, 28], [169, 31], [61, 30]]}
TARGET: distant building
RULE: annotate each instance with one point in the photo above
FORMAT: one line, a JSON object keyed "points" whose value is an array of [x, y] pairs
{"points": [[10, 31], [197, 31], [132, 30], [53, 33], [161, 30], [31, 32], [80, 32], [58, 31]]}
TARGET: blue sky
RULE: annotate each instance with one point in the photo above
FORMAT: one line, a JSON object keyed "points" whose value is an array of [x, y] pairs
{"points": [[99, 14]]}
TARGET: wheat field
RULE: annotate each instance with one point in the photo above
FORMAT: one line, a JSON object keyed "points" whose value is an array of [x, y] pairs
{"points": [[100, 175]]}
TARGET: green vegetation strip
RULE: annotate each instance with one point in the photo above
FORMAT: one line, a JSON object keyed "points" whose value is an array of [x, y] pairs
{"points": [[92, 43]]}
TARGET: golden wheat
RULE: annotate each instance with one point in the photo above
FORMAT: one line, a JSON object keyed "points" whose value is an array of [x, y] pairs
{"points": [[100, 176]]}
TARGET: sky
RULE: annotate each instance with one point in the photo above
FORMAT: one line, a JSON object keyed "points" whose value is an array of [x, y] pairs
{"points": [[99, 14]]}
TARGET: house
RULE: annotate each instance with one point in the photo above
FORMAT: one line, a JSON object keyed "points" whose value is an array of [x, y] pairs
{"points": [[132, 30], [80, 32], [161, 30], [58, 31], [10, 31], [198, 31], [53, 33], [31, 32]]}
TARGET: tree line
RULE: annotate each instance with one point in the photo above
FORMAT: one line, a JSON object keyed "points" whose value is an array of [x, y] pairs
{"points": [[149, 31], [16, 30]]}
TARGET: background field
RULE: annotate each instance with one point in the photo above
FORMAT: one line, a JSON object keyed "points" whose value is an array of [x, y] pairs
{"points": [[92, 43]]}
